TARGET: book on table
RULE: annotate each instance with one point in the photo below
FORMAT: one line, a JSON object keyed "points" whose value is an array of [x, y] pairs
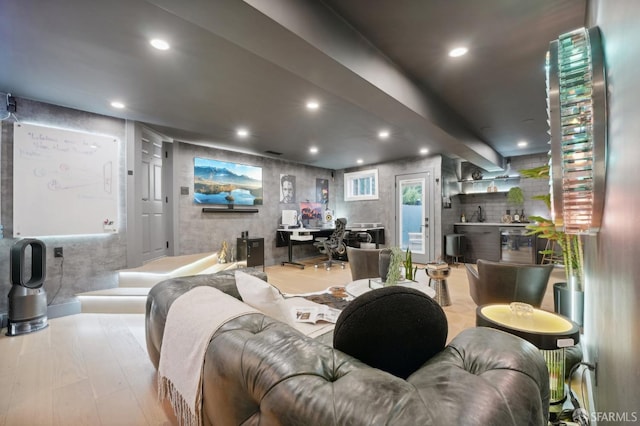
{"points": [[334, 297], [313, 314]]}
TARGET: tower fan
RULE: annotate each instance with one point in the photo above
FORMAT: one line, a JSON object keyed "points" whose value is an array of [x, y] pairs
{"points": [[27, 298]]}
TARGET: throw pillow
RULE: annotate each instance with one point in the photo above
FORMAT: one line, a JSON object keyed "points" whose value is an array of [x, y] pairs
{"points": [[395, 329], [261, 295]]}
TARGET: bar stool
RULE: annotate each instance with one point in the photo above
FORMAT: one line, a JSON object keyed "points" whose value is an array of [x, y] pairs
{"points": [[439, 277], [453, 246]]}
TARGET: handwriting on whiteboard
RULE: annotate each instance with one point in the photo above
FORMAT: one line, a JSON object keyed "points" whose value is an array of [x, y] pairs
{"points": [[72, 174]]}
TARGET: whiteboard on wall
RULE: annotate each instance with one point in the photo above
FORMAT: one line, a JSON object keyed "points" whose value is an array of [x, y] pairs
{"points": [[65, 182]]}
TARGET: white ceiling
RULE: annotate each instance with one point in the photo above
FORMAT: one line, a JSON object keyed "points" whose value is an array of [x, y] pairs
{"points": [[371, 64]]}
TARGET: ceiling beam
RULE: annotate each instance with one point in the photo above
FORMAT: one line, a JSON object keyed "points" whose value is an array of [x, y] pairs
{"points": [[310, 41]]}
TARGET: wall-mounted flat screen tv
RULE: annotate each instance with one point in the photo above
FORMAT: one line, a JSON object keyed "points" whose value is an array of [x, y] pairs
{"points": [[222, 182]]}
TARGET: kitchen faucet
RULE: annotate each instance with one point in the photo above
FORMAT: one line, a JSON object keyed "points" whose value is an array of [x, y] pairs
{"points": [[478, 215]]}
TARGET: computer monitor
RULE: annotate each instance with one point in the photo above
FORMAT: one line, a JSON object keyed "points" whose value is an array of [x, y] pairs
{"points": [[289, 218]]}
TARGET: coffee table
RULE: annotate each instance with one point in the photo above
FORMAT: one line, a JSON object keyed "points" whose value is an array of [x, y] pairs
{"points": [[358, 287]]}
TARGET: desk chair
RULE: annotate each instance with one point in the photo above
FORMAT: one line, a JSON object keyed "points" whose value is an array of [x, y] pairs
{"points": [[334, 245]]}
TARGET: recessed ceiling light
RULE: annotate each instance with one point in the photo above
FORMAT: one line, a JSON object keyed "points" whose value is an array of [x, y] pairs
{"points": [[242, 132], [313, 150], [159, 44], [117, 104], [522, 144], [313, 105], [424, 151], [458, 51], [359, 161], [383, 134]]}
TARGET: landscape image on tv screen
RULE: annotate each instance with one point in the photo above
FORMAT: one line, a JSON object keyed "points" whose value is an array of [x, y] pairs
{"points": [[221, 182]]}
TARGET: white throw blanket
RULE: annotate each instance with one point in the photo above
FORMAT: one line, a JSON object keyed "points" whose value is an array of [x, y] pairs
{"points": [[192, 320]]}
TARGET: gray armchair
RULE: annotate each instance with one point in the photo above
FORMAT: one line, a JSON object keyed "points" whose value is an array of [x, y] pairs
{"points": [[497, 282], [364, 263]]}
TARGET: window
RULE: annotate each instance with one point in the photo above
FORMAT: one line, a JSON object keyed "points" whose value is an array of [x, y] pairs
{"points": [[362, 185]]}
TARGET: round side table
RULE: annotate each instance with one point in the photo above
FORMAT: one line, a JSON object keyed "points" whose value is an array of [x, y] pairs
{"points": [[549, 332], [439, 277]]}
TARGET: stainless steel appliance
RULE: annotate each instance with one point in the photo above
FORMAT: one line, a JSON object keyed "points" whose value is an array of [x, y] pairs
{"points": [[516, 246], [27, 298]]}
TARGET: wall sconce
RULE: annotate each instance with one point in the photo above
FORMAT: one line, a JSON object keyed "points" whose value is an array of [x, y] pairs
{"points": [[576, 105]]}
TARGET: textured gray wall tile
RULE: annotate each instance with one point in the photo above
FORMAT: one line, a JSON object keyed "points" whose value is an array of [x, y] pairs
{"points": [[204, 232], [494, 205]]}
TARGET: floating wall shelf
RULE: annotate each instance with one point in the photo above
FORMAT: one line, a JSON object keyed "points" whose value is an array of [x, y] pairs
{"points": [[479, 186]]}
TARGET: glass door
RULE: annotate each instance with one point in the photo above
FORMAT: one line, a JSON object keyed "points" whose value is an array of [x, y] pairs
{"points": [[412, 218]]}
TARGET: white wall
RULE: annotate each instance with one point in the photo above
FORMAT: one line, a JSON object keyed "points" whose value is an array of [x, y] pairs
{"points": [[612, 266]]}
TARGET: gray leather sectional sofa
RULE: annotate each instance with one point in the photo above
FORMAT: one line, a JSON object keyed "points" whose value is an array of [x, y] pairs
{"points": [[261, 371]]}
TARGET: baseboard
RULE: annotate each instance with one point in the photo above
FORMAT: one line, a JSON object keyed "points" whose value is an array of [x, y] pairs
{"points": [[63, 309], [53, 311]]}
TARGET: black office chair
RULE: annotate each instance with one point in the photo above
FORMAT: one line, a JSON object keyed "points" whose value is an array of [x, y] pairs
{"points": [[334, 245]]}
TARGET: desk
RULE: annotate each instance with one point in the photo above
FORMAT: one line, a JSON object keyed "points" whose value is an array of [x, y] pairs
{"points": [[288, 238], [376, 232], [295, 236]]}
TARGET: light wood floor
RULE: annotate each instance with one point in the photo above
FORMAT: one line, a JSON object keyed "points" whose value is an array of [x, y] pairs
{"points": [[93, 369], [85, 369]]}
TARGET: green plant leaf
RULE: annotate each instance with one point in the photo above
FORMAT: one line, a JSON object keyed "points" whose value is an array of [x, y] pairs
{"points": [[541, 172], [515, 196], [397, 260], [571, 245]]}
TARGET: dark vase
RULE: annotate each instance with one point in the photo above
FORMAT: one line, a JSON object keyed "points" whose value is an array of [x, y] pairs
{"points": [[384, 259], [568, 302]]}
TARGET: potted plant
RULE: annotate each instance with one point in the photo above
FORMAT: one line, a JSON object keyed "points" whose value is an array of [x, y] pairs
{"points": [[568, 296], [392, 261], [515, 197], [409, 270]]}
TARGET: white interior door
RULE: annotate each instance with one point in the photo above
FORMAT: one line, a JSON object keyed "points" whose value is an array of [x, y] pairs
{"points": [[412, 215], [154, 239]]}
